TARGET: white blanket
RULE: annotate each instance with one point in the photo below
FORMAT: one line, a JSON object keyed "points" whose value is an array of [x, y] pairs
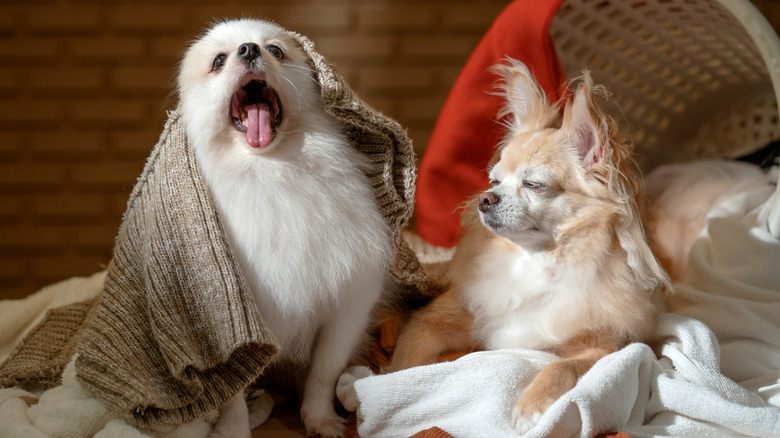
{"points": [[67, 410], [718, 373]]}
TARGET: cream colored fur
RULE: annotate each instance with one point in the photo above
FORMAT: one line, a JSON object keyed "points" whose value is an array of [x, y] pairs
{"points": [[554, 255]]}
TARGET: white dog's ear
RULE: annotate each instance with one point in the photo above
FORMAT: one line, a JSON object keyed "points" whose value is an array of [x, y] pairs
{"points": [[579, 119], [526, 102]]}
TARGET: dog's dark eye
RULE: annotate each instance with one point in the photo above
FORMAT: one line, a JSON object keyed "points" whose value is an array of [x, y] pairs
{"points": [[494, 182], [219, 62], [275, 51], [533, 185]]}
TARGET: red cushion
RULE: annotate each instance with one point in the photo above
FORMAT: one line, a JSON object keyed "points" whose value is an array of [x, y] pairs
{"points": [[454, 164]]}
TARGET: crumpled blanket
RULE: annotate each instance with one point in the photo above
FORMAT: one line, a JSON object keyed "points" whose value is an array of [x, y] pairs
{"points": [[715, 373], [174, 332]]}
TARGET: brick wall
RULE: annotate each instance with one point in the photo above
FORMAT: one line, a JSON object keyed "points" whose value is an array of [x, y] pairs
{"points": [[84, 85]]}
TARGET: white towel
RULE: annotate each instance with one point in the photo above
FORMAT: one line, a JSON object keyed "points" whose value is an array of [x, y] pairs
{"points": [[718, 374]]}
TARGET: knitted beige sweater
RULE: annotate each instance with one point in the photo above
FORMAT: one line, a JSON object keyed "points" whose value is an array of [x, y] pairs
{"points": [[175, 332]]}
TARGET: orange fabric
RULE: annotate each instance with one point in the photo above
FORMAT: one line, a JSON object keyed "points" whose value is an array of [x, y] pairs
{"points": [[466, 132], [433, 432]]}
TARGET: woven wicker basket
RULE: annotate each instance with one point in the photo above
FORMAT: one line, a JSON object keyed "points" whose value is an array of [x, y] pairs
{"points": [[694, 78]]}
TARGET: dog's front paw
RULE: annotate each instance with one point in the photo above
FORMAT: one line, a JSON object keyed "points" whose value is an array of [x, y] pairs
{"points": [[528, 411], [260, 405], [523, 422], [330, 426]]}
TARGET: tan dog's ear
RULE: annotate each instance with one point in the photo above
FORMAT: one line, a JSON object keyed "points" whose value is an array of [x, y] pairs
{"points": [[580, 120], [526, 102]]}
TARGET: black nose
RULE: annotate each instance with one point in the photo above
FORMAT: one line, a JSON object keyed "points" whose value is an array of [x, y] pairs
{"points": [[488, 200], [249, 51]]}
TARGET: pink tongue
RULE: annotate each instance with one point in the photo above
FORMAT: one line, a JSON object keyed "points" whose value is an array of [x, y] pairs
{"points": [[258, 125]]}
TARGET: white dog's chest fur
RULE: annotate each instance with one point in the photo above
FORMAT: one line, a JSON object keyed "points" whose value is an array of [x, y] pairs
{"points": [[307, 234], [525, 301]]}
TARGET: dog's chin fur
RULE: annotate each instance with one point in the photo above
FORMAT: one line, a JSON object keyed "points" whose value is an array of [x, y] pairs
{"points": [[299, 212], [553, 256]]}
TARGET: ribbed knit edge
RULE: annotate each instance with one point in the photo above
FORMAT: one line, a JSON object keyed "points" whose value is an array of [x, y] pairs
{"points": [[393, 171], [176, 332], [42, 355]]}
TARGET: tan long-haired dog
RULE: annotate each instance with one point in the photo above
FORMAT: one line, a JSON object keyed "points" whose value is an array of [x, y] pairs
{"points": [[554, 255]]}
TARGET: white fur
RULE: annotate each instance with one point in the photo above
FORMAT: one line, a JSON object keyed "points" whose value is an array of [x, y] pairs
{"points": [[300, 214]]}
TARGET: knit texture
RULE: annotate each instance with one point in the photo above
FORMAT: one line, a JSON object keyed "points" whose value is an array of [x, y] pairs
{"points": [[175, 333], [38, 361], [392, 174]]}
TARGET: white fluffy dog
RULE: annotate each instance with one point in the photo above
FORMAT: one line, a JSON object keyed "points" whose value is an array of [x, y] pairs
{"points": [[299, 212]]}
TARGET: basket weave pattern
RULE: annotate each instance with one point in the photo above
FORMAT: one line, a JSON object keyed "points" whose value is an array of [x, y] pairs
{"points": [[689, 79]]}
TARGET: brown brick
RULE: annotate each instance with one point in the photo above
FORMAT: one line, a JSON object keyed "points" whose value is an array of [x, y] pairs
{"points": [[420, 138], [357, 49], [316, 19], [142, 79], [13, 274], [147, 19], [467, 18], [119, 201], [67, 81], [29, 51], [8, 151], [396, 18], [30, 112], [27, 239], [385, 105], [30, 176], [107, 175], [351, 73], [68, 145], [70, 206], [11, 208], [421, 111], [70, 18], [9, 81], [448, 76], [66, 266], [106, 48], [98, 238], [396, 79], [11, 143], [11, 268], [169, 50], [108, 111], [134, 144], [309, 19], [9, 17], [436, 49], [202, 17]]}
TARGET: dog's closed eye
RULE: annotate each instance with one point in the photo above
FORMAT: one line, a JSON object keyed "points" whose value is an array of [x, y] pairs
{"points": [[534, 185]]}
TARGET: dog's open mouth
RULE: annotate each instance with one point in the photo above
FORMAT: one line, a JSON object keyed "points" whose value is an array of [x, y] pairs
{"points": [[256, 110]]}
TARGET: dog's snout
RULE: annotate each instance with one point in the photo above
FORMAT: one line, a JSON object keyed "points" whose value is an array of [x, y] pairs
{"points": [[487, 200], [249, 51]]}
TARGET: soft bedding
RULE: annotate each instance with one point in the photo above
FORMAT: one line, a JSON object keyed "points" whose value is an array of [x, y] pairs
{"points": [[716, 371]]}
